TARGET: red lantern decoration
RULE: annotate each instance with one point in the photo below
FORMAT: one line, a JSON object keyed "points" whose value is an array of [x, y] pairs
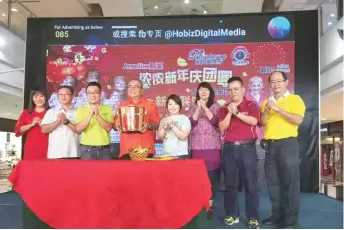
{"points": [[69, 71]]}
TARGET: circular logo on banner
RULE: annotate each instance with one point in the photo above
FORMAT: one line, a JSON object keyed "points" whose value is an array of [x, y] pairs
{"points": [[239, 56], [279, 27]]}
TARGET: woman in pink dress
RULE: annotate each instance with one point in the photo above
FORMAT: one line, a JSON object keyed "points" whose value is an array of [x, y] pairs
{"points": [[205, 140]]}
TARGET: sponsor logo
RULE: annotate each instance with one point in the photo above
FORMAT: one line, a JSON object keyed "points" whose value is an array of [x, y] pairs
{"points": [[202, 58], [239, 56]]}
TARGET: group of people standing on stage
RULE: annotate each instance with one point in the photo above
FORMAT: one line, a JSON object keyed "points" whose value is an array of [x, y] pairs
{"points": [[223, 136]]}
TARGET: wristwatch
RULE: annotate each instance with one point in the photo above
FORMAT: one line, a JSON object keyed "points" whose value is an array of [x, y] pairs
{"points": [[149, 126], [67, 122], [236, 113]]}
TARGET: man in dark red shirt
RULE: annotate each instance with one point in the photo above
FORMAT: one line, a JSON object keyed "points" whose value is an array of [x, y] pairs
{"points": [[237, 121]]}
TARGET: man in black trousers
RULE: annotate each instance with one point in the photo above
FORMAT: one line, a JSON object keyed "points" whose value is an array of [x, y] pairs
{"points": [[238, 120], [281, 114]]}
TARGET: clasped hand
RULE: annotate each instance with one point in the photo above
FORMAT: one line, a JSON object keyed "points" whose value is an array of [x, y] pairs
{"points": [[201, 104], [271, 105], [94, 111], [232, 108], [170, 122], [36, 120], [61, 117]]}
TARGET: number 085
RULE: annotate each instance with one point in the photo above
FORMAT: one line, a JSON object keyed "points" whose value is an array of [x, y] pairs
{"points": [[61, 34]]}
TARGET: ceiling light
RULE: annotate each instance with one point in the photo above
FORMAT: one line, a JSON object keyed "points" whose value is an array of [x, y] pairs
{"points": [[324, 119], [14, 10], [4, 15], [8, 113], [168, 13], [329, 23], [156, 7], [332, 15], [205, 12], [2, 42], [186, 1]]}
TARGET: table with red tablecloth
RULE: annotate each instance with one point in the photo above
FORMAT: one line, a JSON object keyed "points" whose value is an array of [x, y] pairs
{"points": [[113, 194]]}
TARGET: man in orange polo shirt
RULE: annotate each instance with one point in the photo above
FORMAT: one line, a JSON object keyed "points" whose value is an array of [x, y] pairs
{"points": [[146, 137]]}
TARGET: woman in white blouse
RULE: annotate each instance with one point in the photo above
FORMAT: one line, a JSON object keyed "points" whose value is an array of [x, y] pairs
{"points": [[175, 129]]}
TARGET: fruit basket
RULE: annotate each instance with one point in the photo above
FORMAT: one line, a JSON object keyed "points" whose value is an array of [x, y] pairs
{"points": [[138, 153]]}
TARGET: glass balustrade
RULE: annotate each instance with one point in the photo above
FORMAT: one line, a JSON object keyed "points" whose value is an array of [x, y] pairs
{"points": [[14, 17]]}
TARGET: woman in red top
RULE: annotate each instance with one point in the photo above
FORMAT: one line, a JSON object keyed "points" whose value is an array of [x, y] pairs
{"points": [[36, 143]]}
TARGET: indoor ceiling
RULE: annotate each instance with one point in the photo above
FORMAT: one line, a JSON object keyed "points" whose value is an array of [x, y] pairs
{"points": [[181, 7], [328, 10], [329, 14], [57, 8], [77, 8]]}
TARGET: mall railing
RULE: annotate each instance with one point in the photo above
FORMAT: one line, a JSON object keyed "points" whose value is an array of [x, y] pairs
{"points": [[13, 16]]}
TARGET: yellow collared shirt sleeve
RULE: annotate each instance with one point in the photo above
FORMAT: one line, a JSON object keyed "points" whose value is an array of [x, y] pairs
{"points": [[262, 107], [298, 106]]}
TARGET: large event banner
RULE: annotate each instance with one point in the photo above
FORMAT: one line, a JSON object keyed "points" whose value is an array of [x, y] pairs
{"points": [[168, 66], [173, 69]]}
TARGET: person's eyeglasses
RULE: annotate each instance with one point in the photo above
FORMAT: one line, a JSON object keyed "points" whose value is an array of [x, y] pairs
{"points": [[93, 93], [277, 82], [134, 87]]}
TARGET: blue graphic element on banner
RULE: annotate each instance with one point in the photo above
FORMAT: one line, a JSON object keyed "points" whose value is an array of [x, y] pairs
{"points": [[279, 27]]}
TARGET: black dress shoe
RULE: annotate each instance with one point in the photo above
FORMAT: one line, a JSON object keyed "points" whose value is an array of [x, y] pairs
{"points": [[271, 221]]}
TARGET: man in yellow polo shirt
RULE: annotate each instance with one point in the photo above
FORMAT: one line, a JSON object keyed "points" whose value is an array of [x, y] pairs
{"points": [[94, 122], [281, 114]]}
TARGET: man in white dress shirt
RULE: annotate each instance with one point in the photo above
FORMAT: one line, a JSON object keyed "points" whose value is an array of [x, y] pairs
{"points": [[68, 81], [59, 122]]}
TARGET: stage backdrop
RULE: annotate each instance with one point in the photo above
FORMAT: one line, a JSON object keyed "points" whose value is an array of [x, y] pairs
{"points": [[174, 54]]}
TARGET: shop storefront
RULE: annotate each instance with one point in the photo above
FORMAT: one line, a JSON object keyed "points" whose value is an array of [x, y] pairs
{"points": [[332, 159]]}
